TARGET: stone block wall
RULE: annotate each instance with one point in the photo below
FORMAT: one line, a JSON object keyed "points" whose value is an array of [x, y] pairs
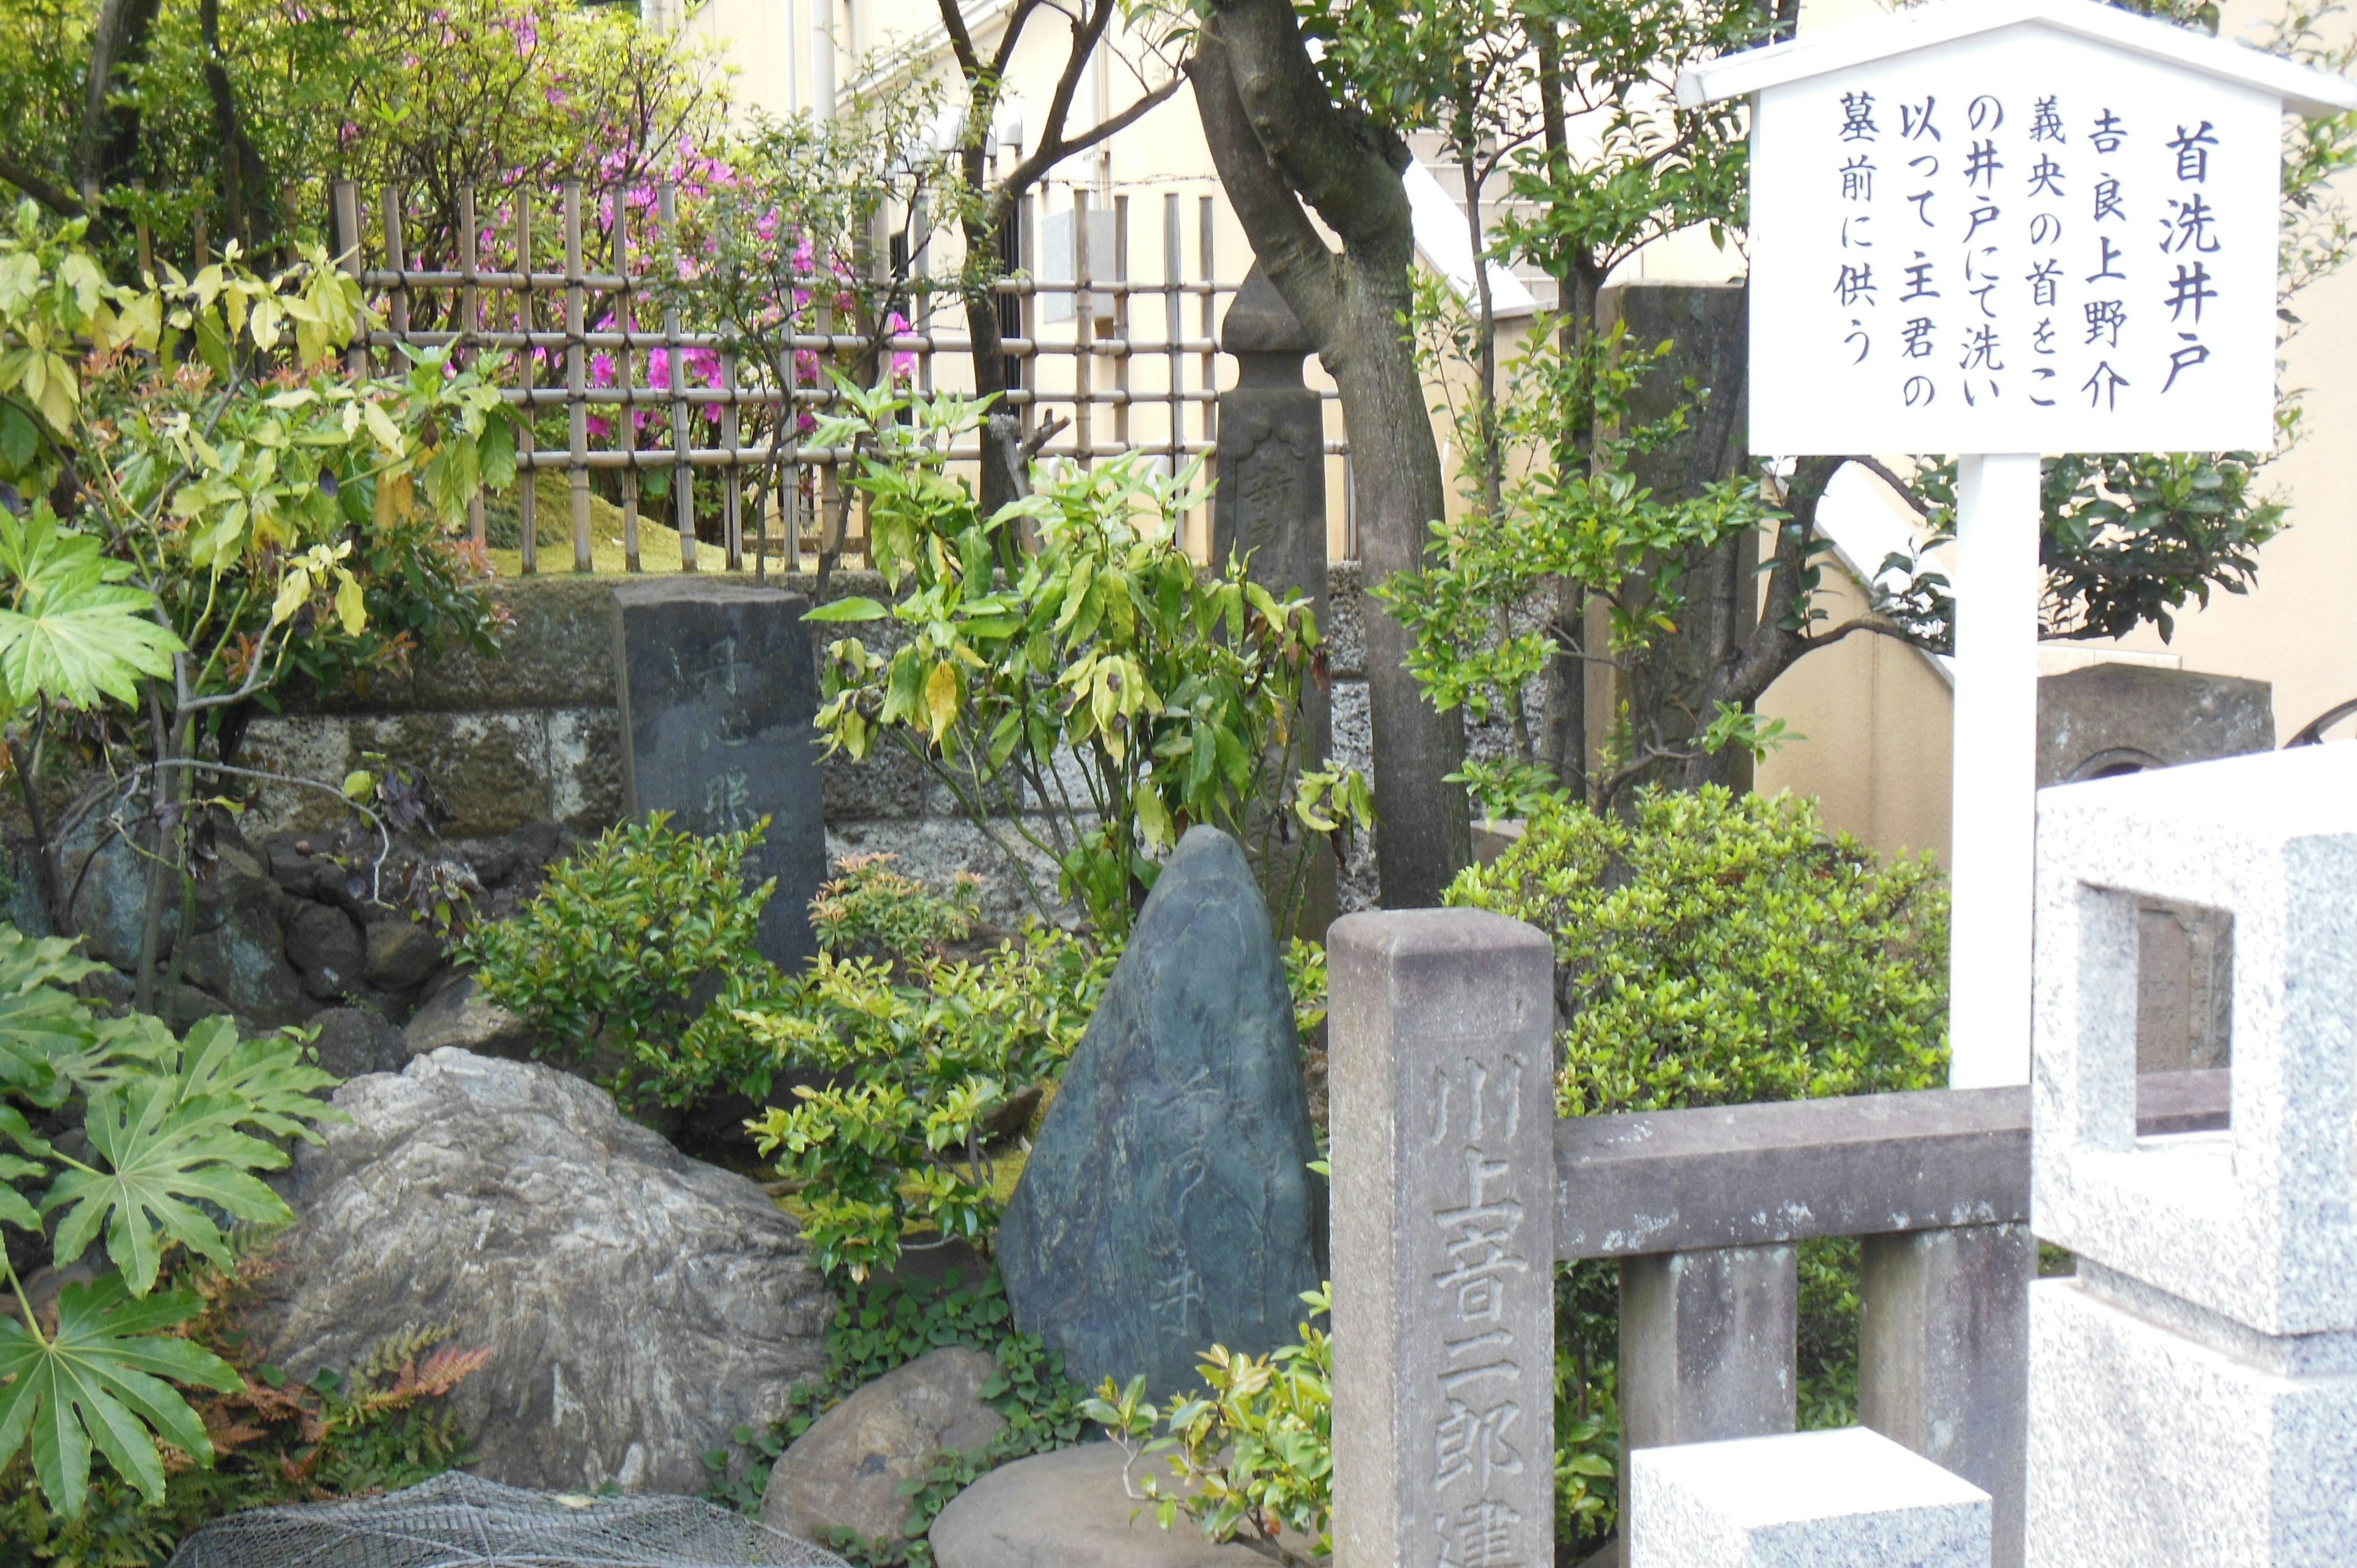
{"points": [[532, 736]]}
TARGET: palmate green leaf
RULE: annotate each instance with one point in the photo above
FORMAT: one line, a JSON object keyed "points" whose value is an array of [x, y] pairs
{"points": [[105, 1380], [72, 635], [45, 1031], [273, 1087], [162, 1156]]}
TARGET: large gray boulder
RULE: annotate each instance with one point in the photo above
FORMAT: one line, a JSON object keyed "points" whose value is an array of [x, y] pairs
{"points": [[845, 1472], [1071, 1509], [1168, 1203], [637, 1305]]}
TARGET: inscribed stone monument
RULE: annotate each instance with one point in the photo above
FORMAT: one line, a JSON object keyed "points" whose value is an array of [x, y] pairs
{"points": [[718, 690], [2193, 1389], [1443, 1117], [1168, 1203]]}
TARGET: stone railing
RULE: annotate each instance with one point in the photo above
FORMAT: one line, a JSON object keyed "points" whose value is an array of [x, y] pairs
{"points": [[2190, 1396], [1449, 1165]]}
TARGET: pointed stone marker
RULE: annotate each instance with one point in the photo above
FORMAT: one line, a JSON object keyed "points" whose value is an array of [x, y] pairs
{"points": [[1168, 1205]]}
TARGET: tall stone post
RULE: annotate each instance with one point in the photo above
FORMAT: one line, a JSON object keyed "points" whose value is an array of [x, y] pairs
{"points": [[1443, 1107], [1270, 508], [718, 689], [2193, 1389]]}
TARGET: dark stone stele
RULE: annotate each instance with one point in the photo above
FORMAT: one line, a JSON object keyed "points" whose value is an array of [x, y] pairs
{"points": [[718, 690], [1168, 1203]]}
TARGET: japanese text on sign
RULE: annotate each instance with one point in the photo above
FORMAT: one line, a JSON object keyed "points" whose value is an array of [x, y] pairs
{"points": [[2015, 243]]}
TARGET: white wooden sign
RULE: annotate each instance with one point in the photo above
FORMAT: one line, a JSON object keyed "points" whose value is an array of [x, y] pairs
{"points": [[1992, 230], [2020, 242]]}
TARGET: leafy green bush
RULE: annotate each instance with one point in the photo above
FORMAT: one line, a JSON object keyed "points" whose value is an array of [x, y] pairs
{"points": [[610, 952], [887, 1324], [153, 1143], [1089, 698], [870, 903], [1713, 949], [1252, 1457], [1716, 950], [923, 1056]]}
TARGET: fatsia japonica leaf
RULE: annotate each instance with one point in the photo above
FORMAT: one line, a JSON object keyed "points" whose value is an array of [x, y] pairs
{"points": [[157, 1157], [266, 1080], [105, 1380], [45, 1031], [70, 631]]}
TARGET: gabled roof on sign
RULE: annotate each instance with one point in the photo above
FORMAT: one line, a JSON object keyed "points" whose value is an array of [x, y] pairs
{"points": [[2301, 88]]}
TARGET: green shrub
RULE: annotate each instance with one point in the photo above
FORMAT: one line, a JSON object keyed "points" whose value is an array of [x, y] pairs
{"points": [[1716, 950], [921, 1055], [887, 1324], [609, 953], [1713, 949], [871, 905], [1251, 1457], [1090, 694]]}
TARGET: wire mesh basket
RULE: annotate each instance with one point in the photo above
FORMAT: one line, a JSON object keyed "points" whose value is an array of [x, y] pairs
{"points": [[464, 1522]]}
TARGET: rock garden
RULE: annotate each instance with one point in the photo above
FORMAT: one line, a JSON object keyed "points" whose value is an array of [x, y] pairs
{"points": [[807, 1033]]}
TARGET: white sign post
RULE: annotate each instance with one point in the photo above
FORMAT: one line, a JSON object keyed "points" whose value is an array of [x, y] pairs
{"points": [[1993, 230]]}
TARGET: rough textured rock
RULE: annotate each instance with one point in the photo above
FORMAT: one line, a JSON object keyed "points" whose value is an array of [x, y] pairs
{"points": [[460, 1014], [399, 953], [1069, 1510], [845, 1472], [637, 1305], [325, 945], [356, 1040], [1168, 1203]]}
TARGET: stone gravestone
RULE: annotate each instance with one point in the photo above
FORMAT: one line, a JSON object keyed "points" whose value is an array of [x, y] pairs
{"points": [[718, 689], [1169, 1204], [1270, 506], [1443, 1096], [2193, 1389], [2110, 719]]}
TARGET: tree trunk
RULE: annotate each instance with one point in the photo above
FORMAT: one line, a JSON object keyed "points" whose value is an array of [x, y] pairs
{"points": [[1279, 139], [107, 151]]}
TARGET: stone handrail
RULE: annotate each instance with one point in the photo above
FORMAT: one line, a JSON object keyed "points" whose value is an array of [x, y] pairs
{"points": [[1456, 1189]]}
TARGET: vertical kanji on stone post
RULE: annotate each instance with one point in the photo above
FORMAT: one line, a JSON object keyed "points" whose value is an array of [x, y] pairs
{"points": [[2193, 1389], [1442, 1097], [718, 691]]}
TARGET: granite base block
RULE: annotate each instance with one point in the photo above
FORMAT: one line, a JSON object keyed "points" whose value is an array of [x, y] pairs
{"points": [[2150, 1449], [1850, 1499]]}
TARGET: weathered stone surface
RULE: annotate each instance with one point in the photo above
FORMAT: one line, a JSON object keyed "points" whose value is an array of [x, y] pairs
{"points": [[497, 771], [1707, 1345], [2252, 1224], [356, 1040], [459, 1014], [1167, 1204], [845, 1472], [1069, 1509], [1850, 1499], [1943, 1358], [2115, 718], [2152, 1448], [718, 689], [637, 1305], [324, 944], [399, 953], [1442, 1106], [1270, 508]]}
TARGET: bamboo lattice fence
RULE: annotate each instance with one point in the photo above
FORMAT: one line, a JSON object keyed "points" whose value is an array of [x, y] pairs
{"points": [[1120, 364]]}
